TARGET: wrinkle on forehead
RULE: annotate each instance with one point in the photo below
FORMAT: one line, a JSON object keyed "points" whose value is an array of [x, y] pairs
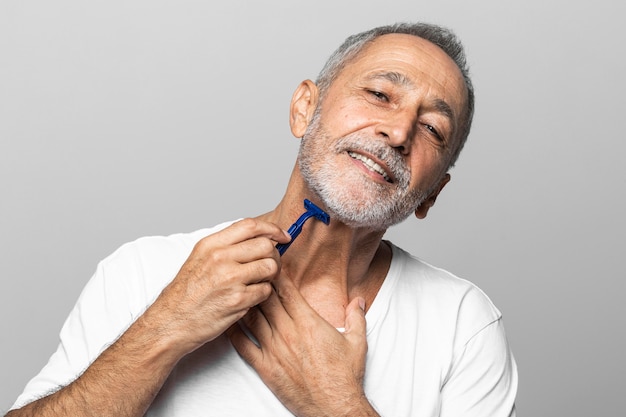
{"points": [[386, 55]]}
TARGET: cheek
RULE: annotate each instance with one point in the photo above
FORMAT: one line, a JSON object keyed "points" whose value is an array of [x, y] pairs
{"points": [[343, 119], [427, 168]]}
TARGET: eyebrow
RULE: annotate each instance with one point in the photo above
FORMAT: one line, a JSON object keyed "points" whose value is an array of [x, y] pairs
{"points": [[394, 77], [445, 108]]}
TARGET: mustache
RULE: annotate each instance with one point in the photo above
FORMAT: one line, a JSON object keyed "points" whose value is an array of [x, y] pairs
{"points": [[391, 157]]}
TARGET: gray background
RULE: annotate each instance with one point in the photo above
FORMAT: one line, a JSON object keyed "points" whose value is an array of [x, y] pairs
{"points": [[120, 119]]}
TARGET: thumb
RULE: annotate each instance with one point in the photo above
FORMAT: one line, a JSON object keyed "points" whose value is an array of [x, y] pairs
{"points": [[355, 320]]}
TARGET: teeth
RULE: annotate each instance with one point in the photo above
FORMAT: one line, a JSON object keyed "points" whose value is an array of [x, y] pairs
{"points": [[370, 164]]}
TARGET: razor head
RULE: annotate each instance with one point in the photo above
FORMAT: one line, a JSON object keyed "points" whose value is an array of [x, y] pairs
{"points": [[317, 212], [311, 211]]}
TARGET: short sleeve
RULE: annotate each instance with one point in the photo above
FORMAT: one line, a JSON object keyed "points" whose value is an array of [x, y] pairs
{"points": [[95, 322], [124, 285], [483, 378]]}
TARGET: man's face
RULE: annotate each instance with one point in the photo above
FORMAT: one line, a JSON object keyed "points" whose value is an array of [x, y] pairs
{"points": [[383, 137]]}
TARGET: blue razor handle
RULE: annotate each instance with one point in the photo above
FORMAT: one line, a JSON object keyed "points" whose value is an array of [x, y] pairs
{"points": [[311, 211]]}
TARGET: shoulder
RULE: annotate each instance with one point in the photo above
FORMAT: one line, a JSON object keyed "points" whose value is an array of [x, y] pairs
{"points": [[155, 256], [436, 292], [447, 331], [137, 271], [161, 248]]}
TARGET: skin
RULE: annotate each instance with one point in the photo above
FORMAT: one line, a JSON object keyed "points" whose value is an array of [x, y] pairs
{"points": [[327, 278]]}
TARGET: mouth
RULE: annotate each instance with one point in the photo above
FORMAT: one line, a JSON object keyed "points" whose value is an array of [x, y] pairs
{"points": [[371, 165]]}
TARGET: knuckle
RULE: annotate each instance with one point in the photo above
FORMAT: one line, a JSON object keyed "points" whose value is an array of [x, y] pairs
{"points": [[238, 299], [265, 289], [216, 256], [261, 292], [248, 224], [267, 267], [230, 277], [204, 244], [266, 245]]}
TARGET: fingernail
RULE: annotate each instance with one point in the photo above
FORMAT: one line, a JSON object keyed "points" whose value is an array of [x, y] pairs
{"points": [[362, 303]]}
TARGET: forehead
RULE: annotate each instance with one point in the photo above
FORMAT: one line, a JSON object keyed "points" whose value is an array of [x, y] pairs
{"points": [[420, 62]]}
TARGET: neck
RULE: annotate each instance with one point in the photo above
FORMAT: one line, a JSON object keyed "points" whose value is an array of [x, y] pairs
{"points": [[330, 264]]}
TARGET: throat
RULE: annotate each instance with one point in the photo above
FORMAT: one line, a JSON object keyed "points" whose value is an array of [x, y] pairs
{"points": [[330, 294], [328, 302]]}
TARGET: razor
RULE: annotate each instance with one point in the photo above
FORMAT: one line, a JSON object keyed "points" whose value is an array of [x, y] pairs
{"points": [[311, 211]]}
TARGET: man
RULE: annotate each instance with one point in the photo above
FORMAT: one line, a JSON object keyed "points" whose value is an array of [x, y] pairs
{"points": [[216, 322]]}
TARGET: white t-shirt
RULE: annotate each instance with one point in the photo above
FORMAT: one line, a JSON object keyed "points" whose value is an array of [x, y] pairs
{"points": [[436, 344]]}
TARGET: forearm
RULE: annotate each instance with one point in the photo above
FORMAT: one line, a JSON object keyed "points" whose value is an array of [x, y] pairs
{"points": [[122, 382]]}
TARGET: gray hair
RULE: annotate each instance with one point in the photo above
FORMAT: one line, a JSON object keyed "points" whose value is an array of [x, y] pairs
{"points": [[440, 36]]}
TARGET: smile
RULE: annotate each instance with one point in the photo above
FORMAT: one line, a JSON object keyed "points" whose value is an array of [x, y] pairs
{"points": [[373, 166]]}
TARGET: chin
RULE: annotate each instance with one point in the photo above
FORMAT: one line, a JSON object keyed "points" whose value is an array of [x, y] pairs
{"points": [[355, 200]]}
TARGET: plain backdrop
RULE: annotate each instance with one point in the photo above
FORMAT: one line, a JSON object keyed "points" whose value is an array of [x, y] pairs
{"points": [[120, 119]]}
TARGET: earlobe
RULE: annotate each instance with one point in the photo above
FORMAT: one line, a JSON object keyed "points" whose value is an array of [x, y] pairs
{"points": [[422, 209], [303, 105]]}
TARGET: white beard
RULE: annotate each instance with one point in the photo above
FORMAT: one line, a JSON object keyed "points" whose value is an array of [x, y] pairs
{"points": [[350, 196]]}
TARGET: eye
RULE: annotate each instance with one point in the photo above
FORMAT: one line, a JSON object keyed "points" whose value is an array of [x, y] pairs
{"points": [[379, 96], [434, 132]]}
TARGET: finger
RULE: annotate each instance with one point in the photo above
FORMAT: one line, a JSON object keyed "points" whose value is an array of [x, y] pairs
{"points": [[253, 295], [257, 293], [257, 324], [253, 249], [246, 348], [261, 270], [274, 311], [291, 299], [249, 228], [356, 325]]}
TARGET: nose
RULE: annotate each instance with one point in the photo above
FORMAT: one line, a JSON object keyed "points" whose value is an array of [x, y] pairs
{"points": [[398, 130]]}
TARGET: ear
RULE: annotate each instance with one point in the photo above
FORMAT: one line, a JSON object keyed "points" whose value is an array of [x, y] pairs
{"points": [[423, 208], [302, 108]]}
